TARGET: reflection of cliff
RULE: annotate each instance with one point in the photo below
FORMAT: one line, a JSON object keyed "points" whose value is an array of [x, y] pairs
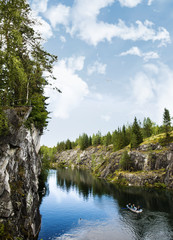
{"points": [[19, 170], [157, 205], [82, 181], [85, 183]]}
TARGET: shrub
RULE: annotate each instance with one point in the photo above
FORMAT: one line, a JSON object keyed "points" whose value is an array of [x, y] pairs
{"points": [[125, 161], [3, 123]]}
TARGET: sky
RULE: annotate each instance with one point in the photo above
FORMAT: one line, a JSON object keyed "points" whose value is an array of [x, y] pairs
{"points": [[115, 62]]}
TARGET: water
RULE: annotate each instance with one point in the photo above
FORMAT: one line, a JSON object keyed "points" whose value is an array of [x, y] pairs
{"points": [[81, 207]]}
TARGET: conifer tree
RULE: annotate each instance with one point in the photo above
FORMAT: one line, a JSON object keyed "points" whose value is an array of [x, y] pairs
{"points": [[166, 122], [23, 61], [83, 141], [136, 133], [68, 144], [108, 139], [147, 127]]}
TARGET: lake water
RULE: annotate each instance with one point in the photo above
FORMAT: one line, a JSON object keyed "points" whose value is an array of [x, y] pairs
{"points": [[81, 207]]}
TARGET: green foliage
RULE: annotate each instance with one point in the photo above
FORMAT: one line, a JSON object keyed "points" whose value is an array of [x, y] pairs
{"points": [[107, 140], [96, 139], [68, 144], [147, 127], [167, 122], [125, 161], [120, 138], [1, 230], [6, 231], [23, 61], [47, 156], [159, 185], [83, 141], [3, 123], [61, 146], [136, 138]]}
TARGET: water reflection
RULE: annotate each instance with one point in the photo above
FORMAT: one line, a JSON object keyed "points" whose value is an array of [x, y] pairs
{"points": [[80, 206]]}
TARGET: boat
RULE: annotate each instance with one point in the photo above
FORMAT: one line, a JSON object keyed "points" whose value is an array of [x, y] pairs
{"points": [[134, 209]]}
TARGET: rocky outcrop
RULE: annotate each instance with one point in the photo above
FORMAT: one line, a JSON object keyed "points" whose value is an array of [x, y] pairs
{"points": [[19, 171], [152, 164]]}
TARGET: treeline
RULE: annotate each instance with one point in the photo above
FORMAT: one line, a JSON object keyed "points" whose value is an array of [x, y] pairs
{"points": [[23, 63], [132, 134]]}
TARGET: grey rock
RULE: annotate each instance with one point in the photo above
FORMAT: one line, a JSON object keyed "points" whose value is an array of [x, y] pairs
{"points": [[20, 167]]}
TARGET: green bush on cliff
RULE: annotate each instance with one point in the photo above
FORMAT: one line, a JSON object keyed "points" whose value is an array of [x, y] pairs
{"points": [[3, 123], [125, 161]]}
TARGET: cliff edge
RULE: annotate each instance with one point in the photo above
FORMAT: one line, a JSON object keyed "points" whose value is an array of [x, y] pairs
{"points": [[20, 167]]}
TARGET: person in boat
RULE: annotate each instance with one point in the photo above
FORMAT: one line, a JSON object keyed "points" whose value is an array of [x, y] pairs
{"points": [[138, 208], [133, 206], [130, 205]]}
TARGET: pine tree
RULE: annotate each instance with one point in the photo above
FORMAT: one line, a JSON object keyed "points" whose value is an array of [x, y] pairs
{"points": [[136, 133], [107, 139], [166, 122], [83, 141], [147, 127], [68, 144], [125, 161], [23, 61]]}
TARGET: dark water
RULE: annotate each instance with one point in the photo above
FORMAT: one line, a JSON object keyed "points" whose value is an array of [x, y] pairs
{"points": [[78, 206]]}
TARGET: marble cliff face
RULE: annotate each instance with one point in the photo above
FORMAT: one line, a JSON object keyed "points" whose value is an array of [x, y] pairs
{"points": [[152, 164], [19, 170]]}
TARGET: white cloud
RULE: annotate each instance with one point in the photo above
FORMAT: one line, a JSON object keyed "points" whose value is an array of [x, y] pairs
{"points": [[75, 63], [63, 39], [73, 88], [152, 89], [39, 5], [81, 20], [136, 51], [129, 3], [97, 67], [43, 28], [150, 2], [58, 15], [142, 31], [142, 87]]}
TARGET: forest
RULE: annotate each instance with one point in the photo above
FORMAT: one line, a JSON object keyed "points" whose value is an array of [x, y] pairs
{"points": [[131, 134]]}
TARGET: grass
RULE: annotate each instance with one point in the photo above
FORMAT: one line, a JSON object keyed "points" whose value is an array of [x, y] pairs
{"points": [[155, 138]]}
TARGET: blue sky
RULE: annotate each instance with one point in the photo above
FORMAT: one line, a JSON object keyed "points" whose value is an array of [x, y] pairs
{"points": [[115, 62]]}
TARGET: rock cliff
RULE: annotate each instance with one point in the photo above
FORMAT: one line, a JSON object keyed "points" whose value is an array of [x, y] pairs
{"points": [[152, 164], [19, 171]]}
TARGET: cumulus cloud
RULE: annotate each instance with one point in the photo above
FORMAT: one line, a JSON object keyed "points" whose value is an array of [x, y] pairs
{"points": [[136, 51], [73, 88], [97, 67], [43, 28], [129, 3], [81, 20], [39, 5], [143, 88], [152, 88], [58, 15], [142, 31]]}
